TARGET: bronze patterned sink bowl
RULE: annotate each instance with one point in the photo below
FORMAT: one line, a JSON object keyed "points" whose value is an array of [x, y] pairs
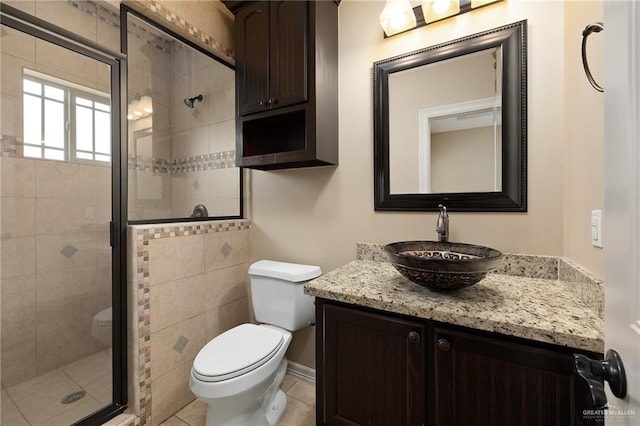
{"points": [[442, 265]]}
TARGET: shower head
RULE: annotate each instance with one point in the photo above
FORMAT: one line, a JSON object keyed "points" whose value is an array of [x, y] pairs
{"points": [[190, 102]]}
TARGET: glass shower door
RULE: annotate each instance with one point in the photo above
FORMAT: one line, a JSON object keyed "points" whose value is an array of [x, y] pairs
{"points": [[56, 208]]}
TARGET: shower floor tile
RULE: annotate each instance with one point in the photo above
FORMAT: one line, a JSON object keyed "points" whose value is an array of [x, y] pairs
{"points": [[38, 402]]}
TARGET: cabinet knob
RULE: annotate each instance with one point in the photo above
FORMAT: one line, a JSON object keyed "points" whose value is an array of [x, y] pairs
{"points": [[273, 101], [414, 337], [444, 345], [262, 102]]}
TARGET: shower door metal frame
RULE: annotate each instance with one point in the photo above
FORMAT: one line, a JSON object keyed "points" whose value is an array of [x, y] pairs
{"points": [[117, 62], [124, 13]]}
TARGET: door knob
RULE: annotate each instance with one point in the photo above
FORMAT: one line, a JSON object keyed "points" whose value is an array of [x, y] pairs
{"points": [[595, 373], [414, 337], [444, 345]]}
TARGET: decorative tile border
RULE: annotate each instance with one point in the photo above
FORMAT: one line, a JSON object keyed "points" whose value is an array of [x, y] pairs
{"points": [[168, 16], [11, 146], [588, 287], [211, 161], [142, 235]]}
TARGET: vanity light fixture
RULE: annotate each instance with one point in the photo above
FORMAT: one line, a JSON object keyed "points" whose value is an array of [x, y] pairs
{"points": [[395, 18]]}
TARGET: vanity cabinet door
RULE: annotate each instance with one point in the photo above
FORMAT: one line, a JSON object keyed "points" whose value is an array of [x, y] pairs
{"points": [[487, 381], [372, 369]]}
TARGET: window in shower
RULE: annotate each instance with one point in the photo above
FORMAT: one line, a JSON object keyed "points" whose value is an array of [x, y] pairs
{"points": [[64, 121], [181, 128]]}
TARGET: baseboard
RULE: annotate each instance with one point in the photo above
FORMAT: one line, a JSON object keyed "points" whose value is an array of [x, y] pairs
{"points": [[301, 371]]}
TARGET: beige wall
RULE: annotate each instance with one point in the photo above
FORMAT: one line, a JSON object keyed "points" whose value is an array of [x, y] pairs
{"points": [[584, 136], [317, 215]]}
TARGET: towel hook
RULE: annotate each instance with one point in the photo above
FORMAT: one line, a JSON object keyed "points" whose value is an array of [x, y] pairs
{"points": [[596, 27]]}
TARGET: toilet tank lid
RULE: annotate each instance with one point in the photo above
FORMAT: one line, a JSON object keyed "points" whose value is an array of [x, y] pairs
{"points": [[293, 272]]}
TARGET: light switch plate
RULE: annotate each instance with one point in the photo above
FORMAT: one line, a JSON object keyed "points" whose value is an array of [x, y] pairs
{"points": [[596, 228]]}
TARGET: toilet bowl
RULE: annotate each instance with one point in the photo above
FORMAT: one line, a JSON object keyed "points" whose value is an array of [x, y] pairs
{"points": [[101, 328], [238, 374]]}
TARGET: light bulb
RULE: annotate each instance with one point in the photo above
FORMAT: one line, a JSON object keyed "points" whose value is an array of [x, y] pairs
{"points": [[397, 16], [434, 10]]}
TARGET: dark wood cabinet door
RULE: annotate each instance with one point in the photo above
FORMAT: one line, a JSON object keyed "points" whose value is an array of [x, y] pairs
{"points": [[252, 58], [485, 381], [374, 369], [288, 52]]}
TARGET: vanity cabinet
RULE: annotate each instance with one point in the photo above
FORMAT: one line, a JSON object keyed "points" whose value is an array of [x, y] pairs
{"points": [[286, 83], [376, 368]]}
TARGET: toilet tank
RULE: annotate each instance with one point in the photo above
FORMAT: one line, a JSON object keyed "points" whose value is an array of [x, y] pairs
{"points": [[277, 293]]}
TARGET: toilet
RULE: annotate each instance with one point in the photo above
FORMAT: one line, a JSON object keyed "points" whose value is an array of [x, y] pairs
{"points": [[101, 328], [238, 373]]}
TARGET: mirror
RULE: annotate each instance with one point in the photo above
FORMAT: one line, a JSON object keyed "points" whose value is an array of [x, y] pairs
{"points": [[450, 125]]}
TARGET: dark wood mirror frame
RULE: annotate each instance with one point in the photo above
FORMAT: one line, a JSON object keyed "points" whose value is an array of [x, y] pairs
{"points": [[513, 197]]}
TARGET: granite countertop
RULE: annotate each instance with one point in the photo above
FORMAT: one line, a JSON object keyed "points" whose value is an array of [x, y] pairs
{"points": [[538, 309]]}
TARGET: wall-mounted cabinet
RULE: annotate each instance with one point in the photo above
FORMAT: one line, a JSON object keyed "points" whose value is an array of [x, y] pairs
{"points": [[286, 83]]}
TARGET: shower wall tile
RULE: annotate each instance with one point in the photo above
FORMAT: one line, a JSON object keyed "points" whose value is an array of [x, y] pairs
{"points": [[176, 301], [11, 119], [59, 252], [28, 6], [18, 177], [224, 249], [227, 316], [18, 329], [220, 77], [69, 65], [18, 256], [11, 76], [18, 217], [223, 108], [79, 20], [176, 345], [61, 215], [18, 44], [62, 179], [65, 307], [226, 285], [190, 143], [19, 312], [171, 259], [170, 393], [222, 136]]}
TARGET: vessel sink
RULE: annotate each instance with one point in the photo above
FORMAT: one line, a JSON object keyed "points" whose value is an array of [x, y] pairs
{"points": [[442, 265]]}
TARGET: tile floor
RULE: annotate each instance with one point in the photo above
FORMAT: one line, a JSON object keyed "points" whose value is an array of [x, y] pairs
{"points": [[37, 402], [301, 406]]}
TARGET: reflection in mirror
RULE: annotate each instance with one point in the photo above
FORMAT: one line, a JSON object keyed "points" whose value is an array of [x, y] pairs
{"points": [[446, 137], [450, 125]]}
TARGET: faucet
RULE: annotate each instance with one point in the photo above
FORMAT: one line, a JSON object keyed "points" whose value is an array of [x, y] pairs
{"points": [[442, 225]]}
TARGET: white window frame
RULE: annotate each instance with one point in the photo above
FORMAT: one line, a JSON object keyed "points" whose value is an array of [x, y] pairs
{"points": [[72, 91]]}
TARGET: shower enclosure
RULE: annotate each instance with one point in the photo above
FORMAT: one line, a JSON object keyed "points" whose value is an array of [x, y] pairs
{"points": [[62, 228], [181, 116]]}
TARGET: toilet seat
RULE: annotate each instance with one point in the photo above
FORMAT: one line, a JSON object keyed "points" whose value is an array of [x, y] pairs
{"points": [[236, 352]]}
